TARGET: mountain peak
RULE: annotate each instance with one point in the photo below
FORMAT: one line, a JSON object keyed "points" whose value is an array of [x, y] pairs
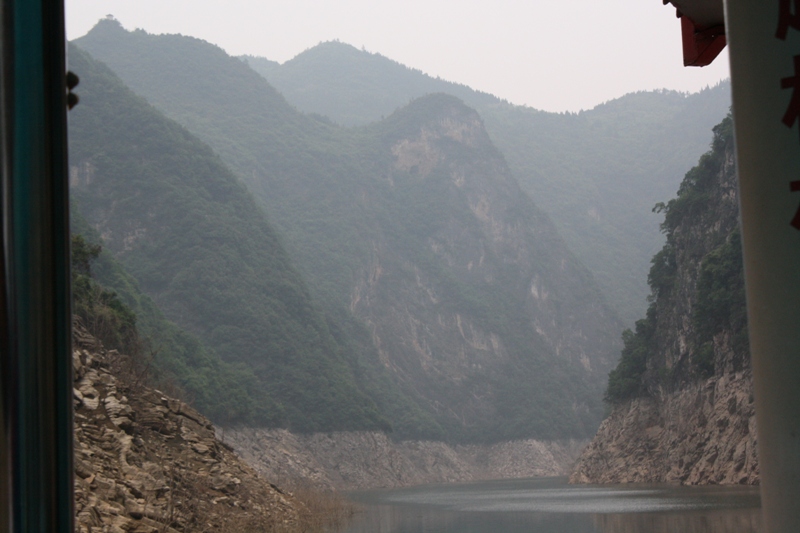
{"points": [[438, 115], [335, 50], [106, 27]]}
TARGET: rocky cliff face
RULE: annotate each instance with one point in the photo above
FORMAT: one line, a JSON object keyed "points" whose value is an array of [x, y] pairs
{"points": [[366, 460], [472, 299], [702, 434], [683, 400], [147, 463], [490, 233]]}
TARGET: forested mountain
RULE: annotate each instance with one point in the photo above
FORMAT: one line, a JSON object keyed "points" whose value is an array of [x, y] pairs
{"points": [[682, 392], [194, 239], [597, 173], [696, 324], [109, 302], [415, 239]]}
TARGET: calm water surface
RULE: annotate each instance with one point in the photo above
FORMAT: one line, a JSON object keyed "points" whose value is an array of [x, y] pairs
{"points": [[550, 505]]}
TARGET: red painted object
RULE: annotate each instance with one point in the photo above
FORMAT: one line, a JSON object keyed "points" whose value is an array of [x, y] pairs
{"points": [[701, 46], [702, 29]]}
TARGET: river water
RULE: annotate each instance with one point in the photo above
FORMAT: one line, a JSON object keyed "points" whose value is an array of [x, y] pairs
{"points": [[550, 505]]}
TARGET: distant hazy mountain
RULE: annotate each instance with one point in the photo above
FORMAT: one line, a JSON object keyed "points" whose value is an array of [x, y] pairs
{"points": [[360, 87], [415, 238], [597, 173]]}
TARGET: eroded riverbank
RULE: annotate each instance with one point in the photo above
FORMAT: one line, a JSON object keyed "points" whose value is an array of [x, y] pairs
{"points": [[362, 460]]}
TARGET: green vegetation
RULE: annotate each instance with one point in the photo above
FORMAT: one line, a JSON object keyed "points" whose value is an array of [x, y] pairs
{"points": [[718, 299], [627, 380], [661, 277], [695, 191], [197, 243], [101, 311], [168, 357], [720, 304]]}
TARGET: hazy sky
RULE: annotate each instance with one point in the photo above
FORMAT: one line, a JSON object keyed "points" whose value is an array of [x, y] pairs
{"points": [[549, 54]]}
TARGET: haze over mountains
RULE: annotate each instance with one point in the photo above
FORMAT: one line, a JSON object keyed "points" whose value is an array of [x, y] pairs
{"points": [[390, 275], [597, 173]]}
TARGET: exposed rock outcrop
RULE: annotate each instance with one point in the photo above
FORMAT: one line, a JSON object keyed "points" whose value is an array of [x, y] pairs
{"points": [[360, 460], [147, 463], [683, 408], [703, 434], [480, 306]]}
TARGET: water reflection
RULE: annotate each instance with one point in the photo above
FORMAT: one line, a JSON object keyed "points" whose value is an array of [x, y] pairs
{"points": [[712, 522], [550, 505]]}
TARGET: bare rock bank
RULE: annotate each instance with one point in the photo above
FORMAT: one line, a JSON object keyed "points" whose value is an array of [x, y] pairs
{"points": [[147, 463], [703, 434], [361, 460]]}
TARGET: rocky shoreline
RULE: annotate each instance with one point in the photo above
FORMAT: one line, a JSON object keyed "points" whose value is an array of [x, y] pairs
{"points": [[148, 463], [703, 434], [366, 460]]}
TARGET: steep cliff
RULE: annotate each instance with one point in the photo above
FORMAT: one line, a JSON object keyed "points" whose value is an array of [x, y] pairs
{"points": [[469, 293], [682, 393]]}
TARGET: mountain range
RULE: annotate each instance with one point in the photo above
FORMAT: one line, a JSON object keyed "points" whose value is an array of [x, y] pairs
{"points": [[596, 173], [420, 272]]}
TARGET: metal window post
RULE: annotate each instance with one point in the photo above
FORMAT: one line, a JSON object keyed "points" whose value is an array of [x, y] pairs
{"points": [[35, 323]]}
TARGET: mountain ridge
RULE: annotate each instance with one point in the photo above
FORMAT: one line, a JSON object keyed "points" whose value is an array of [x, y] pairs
{"points": [[384, 222], [597, 172]]}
